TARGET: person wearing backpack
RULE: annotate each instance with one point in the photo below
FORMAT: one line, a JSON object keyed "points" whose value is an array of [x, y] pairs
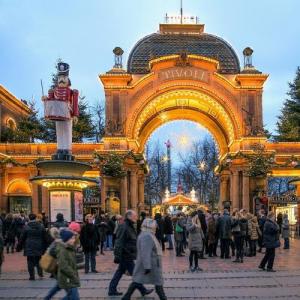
{"points": [[67, 274]]}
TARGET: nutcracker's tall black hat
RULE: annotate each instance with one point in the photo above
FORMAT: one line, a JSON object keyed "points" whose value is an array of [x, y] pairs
{"points": [[63, 68]]}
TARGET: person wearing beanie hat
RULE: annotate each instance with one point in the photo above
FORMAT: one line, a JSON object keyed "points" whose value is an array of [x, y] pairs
{"points": [[74, 226], [66, 234], [67, 274]]}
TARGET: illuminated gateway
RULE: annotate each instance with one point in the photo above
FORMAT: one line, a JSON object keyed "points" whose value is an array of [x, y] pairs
{"points": [[178, 73]]}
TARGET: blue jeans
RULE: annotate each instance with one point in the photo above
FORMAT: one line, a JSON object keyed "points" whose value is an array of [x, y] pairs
{"points": [[90, 256], [286, 243], [52, 292], [170, 241], [72, 294], [122, 268], [109, 243]]}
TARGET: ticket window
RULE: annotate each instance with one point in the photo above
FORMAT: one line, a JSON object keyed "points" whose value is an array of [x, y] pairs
{"points": [[18, 204]]}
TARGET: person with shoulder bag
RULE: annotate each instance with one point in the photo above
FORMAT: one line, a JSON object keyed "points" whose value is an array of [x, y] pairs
{"points": [[270, 242], [195, 242]]}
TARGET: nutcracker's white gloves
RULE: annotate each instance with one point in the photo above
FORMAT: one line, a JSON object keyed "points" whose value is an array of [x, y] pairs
{"points": [[75, 120]]}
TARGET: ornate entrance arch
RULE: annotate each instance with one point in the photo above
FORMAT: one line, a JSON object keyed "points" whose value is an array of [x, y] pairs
{"points": [[137, 105], [184, 85]]}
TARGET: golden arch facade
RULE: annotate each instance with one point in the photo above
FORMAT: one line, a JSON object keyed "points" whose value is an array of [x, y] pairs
{"points": [[195, 92]]}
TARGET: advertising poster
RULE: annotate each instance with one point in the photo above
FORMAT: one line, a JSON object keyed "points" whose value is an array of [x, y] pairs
{"points": [[78, 206], [60, 202]]}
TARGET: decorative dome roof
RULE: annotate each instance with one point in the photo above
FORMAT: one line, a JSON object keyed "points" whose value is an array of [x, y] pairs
{"points": [[166, 43]]}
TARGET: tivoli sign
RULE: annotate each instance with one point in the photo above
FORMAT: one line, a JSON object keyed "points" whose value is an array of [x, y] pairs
{"points": [[184, 73]]}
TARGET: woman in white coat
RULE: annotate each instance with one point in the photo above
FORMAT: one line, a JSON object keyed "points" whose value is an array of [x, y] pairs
{"points": [[148, 267]]}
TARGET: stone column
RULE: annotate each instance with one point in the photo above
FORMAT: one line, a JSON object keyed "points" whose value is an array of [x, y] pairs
{"points": [[223, 191], [246, 202], [103, 192], [124, 196], [133, 190], [234, 190], [141, 201]]}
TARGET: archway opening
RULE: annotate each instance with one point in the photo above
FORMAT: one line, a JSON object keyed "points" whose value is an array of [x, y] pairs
{"points": [[182, 156]]}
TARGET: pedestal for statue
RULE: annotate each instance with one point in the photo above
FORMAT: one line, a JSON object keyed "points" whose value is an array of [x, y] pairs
{"points": [[65, 182]]}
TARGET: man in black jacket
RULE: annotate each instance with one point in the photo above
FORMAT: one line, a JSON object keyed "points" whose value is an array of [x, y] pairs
{"points": [[90, 239], [33, 240], [125, 253]]}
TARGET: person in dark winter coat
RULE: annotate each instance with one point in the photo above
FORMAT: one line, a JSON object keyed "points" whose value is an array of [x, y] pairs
{"points": [[202, 219], [196, 238], [168, 231], [285, 232], [211, 234], [239, 231], [67, 274], [270, 242], [261, 222], [19, 223], [10, 232], [60, 221], [125, 253], [279, 221], [110, 231], [224, 226], [33, 240], [140, 221], [160, 230], [89, 239], [101, 223], [148, 268]]}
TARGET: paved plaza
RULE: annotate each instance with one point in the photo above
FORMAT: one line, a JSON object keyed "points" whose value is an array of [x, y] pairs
{"points": [[221, 279]]}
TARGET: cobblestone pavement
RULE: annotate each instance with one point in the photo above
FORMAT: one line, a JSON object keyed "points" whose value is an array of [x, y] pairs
{"points": [[221, 279]]}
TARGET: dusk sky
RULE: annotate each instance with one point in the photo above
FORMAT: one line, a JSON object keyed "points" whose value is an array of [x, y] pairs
{"points": [[34, 33]]}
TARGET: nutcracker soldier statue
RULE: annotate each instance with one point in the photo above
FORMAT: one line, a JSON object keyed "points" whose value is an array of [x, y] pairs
{"points": [[61, 106]]}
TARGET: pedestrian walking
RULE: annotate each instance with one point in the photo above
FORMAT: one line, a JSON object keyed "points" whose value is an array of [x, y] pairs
{"points": [[195, 243], [67, 274], [285, 232], [148, 268], [270, 242], [33, 240], [168, 231], [10, 232], [202, 219], [89, 239], [140, 221], [160, 230], [125, 253]]}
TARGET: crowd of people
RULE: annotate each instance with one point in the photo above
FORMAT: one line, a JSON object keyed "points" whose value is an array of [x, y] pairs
{"points": [[138, 242]]}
